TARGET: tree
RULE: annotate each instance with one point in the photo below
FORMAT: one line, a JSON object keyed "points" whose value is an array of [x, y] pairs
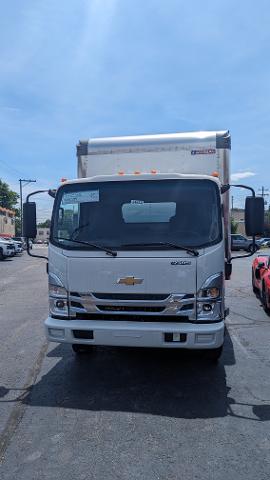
{"points": [[45, 224], [8, 198], [234, 225]]}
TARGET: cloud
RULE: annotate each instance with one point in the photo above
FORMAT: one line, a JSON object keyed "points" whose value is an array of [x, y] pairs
{"points": [[240, 175]]}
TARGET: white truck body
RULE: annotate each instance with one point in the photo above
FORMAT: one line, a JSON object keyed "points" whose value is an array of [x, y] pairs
{"points": [[142, 296]]}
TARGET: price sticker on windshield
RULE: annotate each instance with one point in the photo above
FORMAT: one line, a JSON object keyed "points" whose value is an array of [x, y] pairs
{"points": [[80, 197]]}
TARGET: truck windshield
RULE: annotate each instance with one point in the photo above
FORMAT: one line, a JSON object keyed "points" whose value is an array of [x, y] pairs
{"points": [[114, 214]]}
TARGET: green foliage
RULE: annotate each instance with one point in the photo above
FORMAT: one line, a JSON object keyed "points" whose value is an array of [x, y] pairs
{"points": [[45, 224], [234, 225], [17, 226], [8, 198]]}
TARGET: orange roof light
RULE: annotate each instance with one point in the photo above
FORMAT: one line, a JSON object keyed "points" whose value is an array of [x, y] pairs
{"points": [[215, 174], [153, 172], [121, 172], [137, 172], [63, 180]]}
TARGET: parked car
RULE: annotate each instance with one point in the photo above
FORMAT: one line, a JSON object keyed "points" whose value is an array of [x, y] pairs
{"points": [[240, 242], [261, 279], [7, 249], [17, 244], [263, 241], [23, 241], [266, 243]]}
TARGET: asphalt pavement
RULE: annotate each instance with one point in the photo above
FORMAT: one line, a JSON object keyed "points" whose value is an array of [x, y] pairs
{"points": [[127, 413]]}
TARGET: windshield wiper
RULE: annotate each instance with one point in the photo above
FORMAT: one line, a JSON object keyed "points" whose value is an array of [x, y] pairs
{"points": [[78, 229], [98, 247], [192, 251]]}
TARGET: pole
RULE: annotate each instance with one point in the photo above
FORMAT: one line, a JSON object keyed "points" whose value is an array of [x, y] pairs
{"points": [[21, 212], [23, 182], [263, 193]]}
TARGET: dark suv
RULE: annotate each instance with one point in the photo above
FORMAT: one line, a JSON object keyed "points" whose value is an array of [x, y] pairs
{"points": [[240, 242]]}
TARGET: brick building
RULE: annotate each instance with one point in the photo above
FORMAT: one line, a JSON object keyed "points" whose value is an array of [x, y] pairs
{"points": [[7, 222]]}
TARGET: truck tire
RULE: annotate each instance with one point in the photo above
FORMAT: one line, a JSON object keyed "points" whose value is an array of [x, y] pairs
{"points": [[250, 248], [255, 289], [1, 254], [264, 300], [214, 354], [81, 349]]}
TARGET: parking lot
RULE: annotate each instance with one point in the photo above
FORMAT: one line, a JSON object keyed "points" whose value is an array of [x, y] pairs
{"points": [[127, 413]]}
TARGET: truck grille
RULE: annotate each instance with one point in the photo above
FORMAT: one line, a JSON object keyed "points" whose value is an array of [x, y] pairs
{"points": [[131, 296], [133, 306]]}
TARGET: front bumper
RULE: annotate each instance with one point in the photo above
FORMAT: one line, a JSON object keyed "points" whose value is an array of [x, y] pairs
{"points": [[9, 253], [135, 334]]}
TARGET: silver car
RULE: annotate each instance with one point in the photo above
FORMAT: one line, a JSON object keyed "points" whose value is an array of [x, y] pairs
{"points": [[240, 242]]}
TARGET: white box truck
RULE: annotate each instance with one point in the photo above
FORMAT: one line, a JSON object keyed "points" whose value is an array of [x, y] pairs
{"points": [[140, 243]]}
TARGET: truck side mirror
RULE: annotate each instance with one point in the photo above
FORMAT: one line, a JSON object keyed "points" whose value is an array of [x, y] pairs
{"points": [[254, 216], [29, 220]]}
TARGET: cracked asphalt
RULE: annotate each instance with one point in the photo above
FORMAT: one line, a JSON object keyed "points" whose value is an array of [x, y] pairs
{"points": [[127, 413]]}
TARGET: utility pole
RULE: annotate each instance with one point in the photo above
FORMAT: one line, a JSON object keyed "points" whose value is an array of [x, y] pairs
{"points": [[23, 183], [263, 192]]}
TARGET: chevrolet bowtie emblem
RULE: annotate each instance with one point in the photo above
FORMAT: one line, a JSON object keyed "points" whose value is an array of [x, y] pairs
{"points": [[130, 281]]}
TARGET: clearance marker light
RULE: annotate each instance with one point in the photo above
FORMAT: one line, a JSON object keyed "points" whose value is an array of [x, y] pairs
{"points": [[121, 172], [153, 172], [137, 172], [63, 180], [215, 174]]}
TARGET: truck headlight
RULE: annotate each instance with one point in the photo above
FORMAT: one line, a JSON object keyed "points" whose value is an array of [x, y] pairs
{"points": [[209, 299], [211, 288], [213, 292], [58, 298], [57, 291]]}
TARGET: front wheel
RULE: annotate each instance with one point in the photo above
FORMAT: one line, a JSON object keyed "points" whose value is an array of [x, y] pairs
{"points": [[1, 254], [254, 288], [214, 354], [81, 349], [264, 300]]}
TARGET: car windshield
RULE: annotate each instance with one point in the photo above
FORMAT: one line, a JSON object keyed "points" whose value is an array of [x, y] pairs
{"points": [[115, 214]]}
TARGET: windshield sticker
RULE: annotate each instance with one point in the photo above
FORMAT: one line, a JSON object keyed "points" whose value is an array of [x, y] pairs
{"points": [[80, 197], [137, 201]]}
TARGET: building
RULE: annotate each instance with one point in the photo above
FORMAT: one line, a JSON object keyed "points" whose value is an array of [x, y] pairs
{"points": [[238, 214], [7, 222], [43, 234]]}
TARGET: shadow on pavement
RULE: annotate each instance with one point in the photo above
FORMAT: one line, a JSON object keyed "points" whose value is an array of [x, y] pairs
{"points": [[159, 382]]}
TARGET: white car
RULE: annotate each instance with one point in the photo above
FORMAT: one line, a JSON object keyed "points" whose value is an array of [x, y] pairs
{"points": [[7, 249], [17, 244]]}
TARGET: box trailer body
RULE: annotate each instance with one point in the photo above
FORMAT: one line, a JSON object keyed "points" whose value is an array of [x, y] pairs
{"points": [[139, 243]]}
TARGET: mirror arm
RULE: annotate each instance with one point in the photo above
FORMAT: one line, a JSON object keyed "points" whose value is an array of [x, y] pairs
{"points": [[27, 239], [34, 193]]}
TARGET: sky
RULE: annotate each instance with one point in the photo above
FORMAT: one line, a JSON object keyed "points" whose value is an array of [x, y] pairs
{"points": [[78, 69]]}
